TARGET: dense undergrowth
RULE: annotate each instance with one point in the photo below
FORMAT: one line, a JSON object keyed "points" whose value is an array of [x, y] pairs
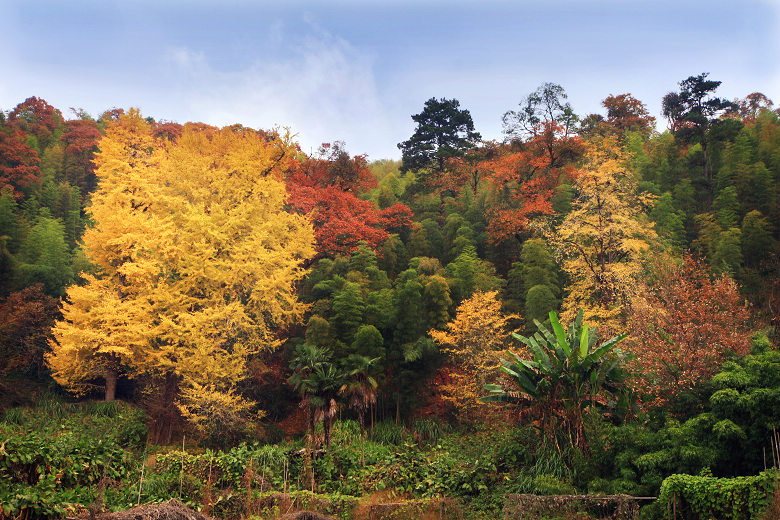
{"points": [[56, 456], [59, 459]]}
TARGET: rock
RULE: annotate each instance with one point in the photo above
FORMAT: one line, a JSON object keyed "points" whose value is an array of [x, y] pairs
{"points": [[170, 510], [305, 515]]}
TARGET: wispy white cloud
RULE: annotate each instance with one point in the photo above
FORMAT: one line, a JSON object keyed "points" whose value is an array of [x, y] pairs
{"points": [[185, 59], [324, 89]]}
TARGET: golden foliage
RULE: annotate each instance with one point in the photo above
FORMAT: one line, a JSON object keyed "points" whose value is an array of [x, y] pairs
{"points": [[473, 343], [99, 332], [602, 240], [105, 321], [216, 414], [197, 258]]}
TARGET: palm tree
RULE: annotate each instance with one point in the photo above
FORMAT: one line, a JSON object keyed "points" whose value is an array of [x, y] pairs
{"points": [[568, 375], [326, 380], [360, 390], [360, 386], [306, 360]]}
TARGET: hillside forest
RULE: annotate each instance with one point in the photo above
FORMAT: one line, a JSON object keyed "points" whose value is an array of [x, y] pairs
{"points": [[590, 305]]}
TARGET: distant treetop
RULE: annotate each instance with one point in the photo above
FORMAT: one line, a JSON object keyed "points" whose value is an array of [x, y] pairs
{"points": [[443, 130]]}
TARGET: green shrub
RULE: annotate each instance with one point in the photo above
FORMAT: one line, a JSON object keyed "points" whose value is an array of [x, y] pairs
{"points": [[110, 409], [427, 430], [515, 448], [54, 456], [739, 498], [51, 407], [388, 432], [230, 469], [14, 417], [547, 484]]}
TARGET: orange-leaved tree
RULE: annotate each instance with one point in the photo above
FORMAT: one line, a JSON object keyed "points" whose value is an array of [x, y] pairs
{"points": [[683, 327], [326, 187], [540, 156], [472, 344], [19, 165]]}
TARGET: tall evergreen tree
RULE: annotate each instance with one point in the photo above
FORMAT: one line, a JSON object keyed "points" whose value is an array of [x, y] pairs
{"points": [[443, 130], [694, 111]]}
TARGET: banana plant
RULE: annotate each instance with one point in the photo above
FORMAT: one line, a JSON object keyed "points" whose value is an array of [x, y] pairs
{"points": [[570, 373]]}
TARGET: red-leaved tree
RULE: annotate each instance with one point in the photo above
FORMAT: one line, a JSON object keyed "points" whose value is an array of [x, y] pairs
{"points": [[167, 130], [326, 188], [626, 113], [81, 138], [36, 117], [683, 327], [26, 319], [18, 162]]}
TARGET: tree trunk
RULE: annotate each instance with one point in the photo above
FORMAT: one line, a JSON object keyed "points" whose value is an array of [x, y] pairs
{"points": [[163, 410], [169, 398], [110, 376], [311, 424], [326, 430]]}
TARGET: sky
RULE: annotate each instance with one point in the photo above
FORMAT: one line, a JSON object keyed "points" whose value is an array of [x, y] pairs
{"points": [[356, 71]]}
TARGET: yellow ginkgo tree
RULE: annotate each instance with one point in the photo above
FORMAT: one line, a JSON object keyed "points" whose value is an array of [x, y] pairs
{"points": [[105, 327], [602, 240], [197, 260]]}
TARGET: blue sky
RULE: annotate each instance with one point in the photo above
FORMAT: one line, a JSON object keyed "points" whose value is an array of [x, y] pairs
{"points": [[356, 70]]}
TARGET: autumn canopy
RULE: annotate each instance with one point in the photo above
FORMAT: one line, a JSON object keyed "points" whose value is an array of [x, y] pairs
{"points": [[196, 260]]}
